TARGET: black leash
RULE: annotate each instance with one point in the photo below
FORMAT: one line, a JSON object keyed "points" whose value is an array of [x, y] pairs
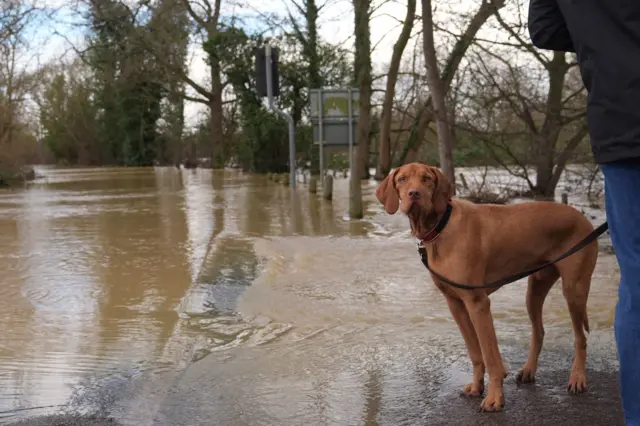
{"points": [[508, 280]]}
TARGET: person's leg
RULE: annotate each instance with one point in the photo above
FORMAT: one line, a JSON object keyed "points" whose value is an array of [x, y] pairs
{"points": [[622, 197]]}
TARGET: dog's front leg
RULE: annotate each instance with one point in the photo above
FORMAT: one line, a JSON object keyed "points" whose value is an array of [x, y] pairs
{"points": [[479, 307], [461, 316]]}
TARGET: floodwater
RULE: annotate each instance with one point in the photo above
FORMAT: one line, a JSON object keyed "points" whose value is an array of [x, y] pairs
{"points": [[121, 273]]}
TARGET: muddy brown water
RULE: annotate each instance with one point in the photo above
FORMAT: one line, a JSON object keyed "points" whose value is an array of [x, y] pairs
{"points": [[118, 272]]}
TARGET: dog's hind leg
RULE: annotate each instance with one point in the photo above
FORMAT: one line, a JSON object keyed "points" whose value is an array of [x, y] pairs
{"points": [[577, 302], [576, 272], [539, 285]]}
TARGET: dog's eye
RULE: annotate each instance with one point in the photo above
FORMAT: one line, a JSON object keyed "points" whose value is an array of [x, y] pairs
{"points": [[426, 178], [402, 179]]}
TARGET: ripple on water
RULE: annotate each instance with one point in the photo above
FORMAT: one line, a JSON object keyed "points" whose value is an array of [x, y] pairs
{"points": [[323, 282]]}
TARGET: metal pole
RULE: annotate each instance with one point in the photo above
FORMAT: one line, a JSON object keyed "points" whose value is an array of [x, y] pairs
{"points": [[292, 152], [267, 62], [292, 129], [294, 219], [321, 133], [350, 113]]}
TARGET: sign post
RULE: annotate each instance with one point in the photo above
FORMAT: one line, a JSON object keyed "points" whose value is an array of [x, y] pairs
{"points": [[321, 136], [271, 68], [350, 114], [333, 114]]}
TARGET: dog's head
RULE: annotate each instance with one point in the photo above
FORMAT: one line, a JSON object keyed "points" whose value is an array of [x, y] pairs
{"points": [[415, 188]]}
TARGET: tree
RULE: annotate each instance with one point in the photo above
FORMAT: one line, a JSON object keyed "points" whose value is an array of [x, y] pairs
{"points": [[68, 115], [362, 70], [263, 145], [319, 65], [168, 27], [129, 86], [384, 158], [204, 20], [14, 80], [425, 113], [208, 21], [531, 115], [306, 35], [438, 93], [17, 142]]}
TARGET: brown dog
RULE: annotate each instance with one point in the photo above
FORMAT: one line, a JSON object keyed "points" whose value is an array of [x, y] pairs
{"points": [[483, 243]]}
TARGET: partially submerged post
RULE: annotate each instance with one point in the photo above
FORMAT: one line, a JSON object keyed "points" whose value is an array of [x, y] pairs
{"points": [[313, 185], [320, 134], [355, 191], [327, 188]]}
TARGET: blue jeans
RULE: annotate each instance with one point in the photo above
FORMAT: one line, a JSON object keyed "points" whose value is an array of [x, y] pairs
{"points": [[622, 197]]}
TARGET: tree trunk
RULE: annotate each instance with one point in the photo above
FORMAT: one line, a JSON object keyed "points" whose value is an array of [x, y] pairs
{"points": [[309, 41], [418, 131], [362, 69], [486, 10], [384, 156], [563, 158], [217, 117], [217, 127], [438, 93], [550, 131], [215, 101], [315, 77], [544, 170]]}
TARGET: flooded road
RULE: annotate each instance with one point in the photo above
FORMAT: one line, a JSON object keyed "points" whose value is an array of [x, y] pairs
{"points": [[150, 294]]}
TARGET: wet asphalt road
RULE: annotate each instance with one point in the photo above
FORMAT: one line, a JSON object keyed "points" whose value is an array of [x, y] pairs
{"points": [[400, 389], [544, 404]]}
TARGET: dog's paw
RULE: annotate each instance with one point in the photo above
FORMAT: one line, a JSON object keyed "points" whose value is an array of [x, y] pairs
{"points": [[493, 403], [526, 375], [473, 390], [577, 383]]}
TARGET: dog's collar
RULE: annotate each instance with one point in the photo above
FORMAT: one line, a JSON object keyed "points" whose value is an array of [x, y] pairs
{"points": [[434, 233]]}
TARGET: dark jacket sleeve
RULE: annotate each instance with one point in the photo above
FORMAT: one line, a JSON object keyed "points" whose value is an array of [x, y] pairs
{"points": [[547, 27]]}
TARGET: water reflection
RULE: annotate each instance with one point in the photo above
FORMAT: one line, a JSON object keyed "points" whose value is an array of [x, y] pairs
{"points": [[149, 270]]}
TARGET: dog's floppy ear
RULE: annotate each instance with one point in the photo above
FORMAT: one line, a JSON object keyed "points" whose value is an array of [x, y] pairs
{"points": [[387, 194], [442, 193]]}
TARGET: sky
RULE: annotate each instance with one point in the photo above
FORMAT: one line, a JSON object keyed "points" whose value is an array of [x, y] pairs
{"points": [[53, 38]]}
